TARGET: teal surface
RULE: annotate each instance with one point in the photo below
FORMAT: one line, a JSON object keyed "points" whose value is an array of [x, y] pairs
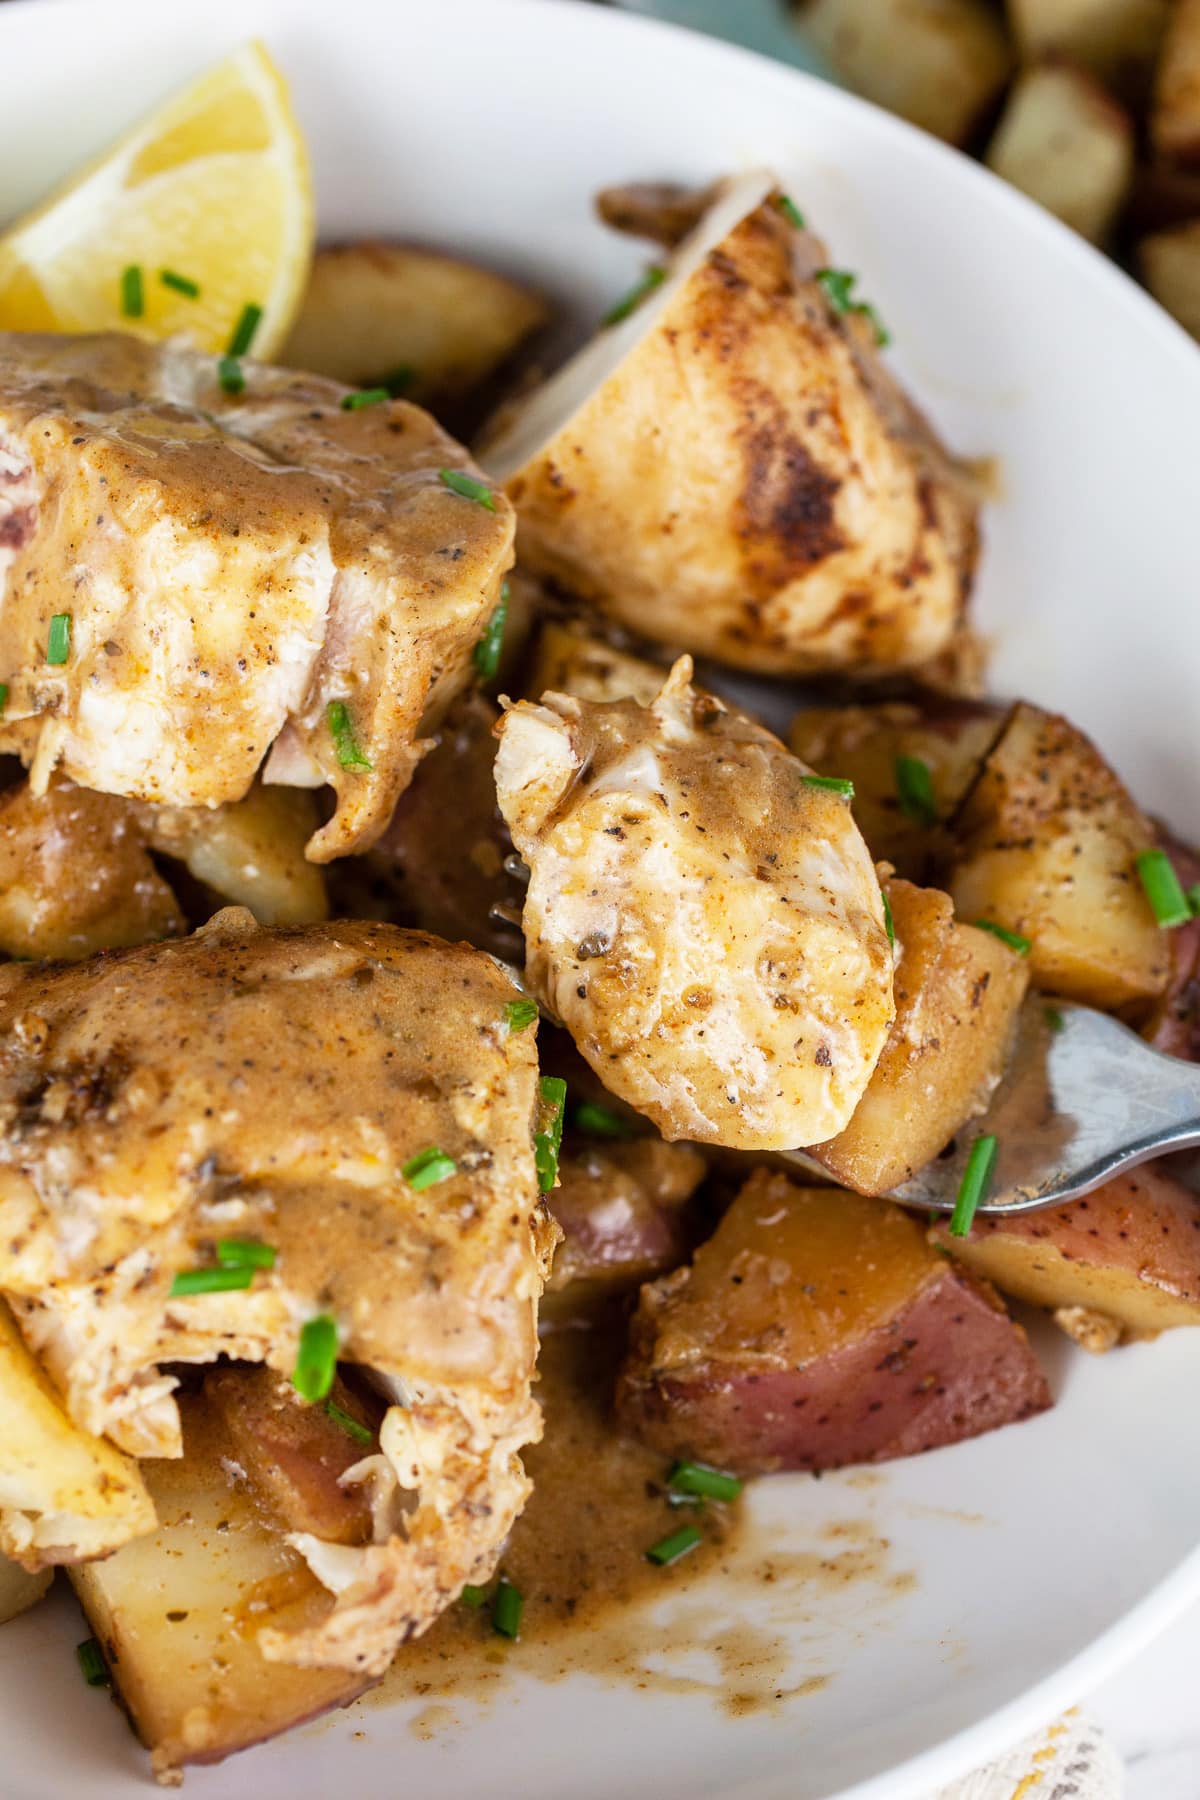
{"points": [[764, 25]]}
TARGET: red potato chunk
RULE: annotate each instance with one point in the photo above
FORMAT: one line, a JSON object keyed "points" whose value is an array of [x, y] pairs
{"points": [[818, 1328], [622, 1208], [1128, 1253]]}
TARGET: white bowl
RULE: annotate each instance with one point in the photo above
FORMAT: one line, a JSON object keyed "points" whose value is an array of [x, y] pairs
{"points": [[1041, 1555]]}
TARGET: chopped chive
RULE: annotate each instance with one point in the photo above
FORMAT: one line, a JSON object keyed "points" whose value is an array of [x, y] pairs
{"points": [[702, 1479], [428, 1167], [486, 654], [1163, 888], [244, 330], [3, 697], [244, 1253], [600, 1121], [344, 741], [548, 1129], [400, 380], [506, 1608], [837, 784], [350, 1426], [676, 1544], [1013, 939], [1193, 893], [92, 1663], [914, 786], [58, 640], [1054, 1019], [133, 301], [888, 926], [883, 336], [472, 1595], [519, 1015], [839, 288], [230, 375], [316, 1358], [791, 212], [365, 397], [630, 302], [461, 483], [211, 1281], [974, 1185], [182, 284]]}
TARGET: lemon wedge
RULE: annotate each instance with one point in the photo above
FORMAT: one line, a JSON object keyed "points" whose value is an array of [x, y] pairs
{"points": [[201, 211]]}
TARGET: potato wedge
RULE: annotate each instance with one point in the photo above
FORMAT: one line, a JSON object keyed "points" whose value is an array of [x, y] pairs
{"points": [[178, 1613], [957, 993], [818, 1328], [1130, 1253], [425, 323], [251, 852], [862, 743], [1068, 145], [938, 63], [1175, 111], [75, 876], [571, 660], [1116, 39], [1170, 265], [621, 1208], [1047, 840], [64, 1495], [20, 1589]]}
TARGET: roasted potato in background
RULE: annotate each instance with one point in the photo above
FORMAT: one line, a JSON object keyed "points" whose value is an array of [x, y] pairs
{"points": [[729, 468], [1174, 1022], [19, 1590], [1175, 113], [1047, 838], [75, 876], [1129, 1252], [250, 853], [177, 1614], [64, 1495], [818, 1328], [570, 659], [1116, 39], [427, 324], [957, 992], [1067, 144], [621, 1207], [938, 63], [1170, 265], [862, 744]]}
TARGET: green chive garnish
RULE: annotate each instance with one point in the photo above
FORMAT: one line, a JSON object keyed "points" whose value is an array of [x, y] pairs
{"points": [[230, 376], [548, 1129], [211, 1281], [133, 303], [839, 288], [316, 1358], [677, 1544], [244, 330], [58, 640], [244, 1253], [350, 1426], [506, 1609], [600, 1122], [702, 1479], [460, 483], [365, 397], [883, 336], [1054, 1019], [400, 380], [887, 918], [1013, 939], [344, 741], [91, 1662], [1193, 893], [976, 1180], [428, 1167], [914, 785], [472, 1595], [519, 1015], [3, 697], [837, 784], [486, 654], [1163, 888], [182, 284], [790, 211], [652, 279]]}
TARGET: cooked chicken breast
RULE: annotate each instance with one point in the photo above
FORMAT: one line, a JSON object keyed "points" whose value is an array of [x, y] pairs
{"points": [[228, 567], [707, 924], [274, 1086], [731, 469]]}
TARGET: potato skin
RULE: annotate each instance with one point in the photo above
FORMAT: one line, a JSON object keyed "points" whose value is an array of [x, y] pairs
{"points": [[1130, 1251], [622, 1209], [815, 1329], [750, 483]]}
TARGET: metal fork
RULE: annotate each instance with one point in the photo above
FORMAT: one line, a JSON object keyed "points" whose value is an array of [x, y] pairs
{"points": [[1083, 1098]]}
